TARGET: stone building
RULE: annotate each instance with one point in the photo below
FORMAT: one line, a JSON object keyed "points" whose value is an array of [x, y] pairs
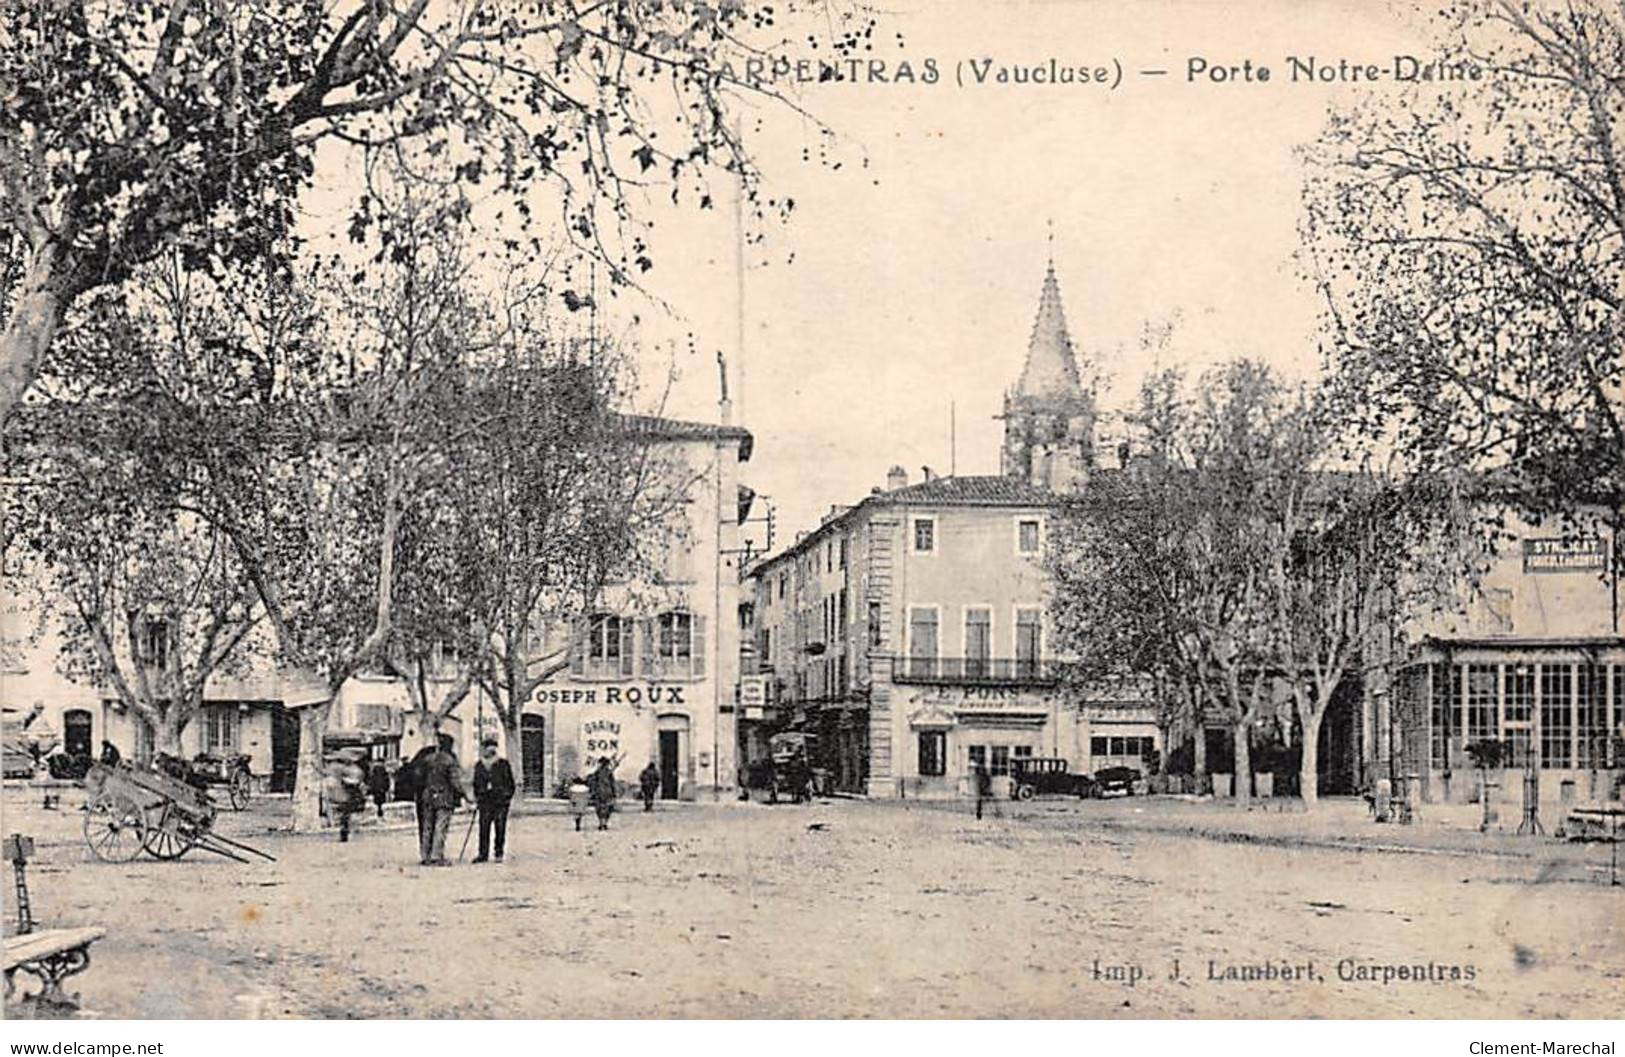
{"points": [[1532, 658], [910, 631], [652, 674]]}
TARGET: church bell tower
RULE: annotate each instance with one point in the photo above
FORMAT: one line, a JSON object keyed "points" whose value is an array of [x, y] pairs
{"points": [[1049, 417]]}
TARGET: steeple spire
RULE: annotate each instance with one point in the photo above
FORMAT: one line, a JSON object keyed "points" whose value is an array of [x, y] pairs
{"points": [[1052, 365], [1049, 417]]}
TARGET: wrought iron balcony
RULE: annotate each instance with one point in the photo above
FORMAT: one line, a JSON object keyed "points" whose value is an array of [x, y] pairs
{"points": [[979, 671]]}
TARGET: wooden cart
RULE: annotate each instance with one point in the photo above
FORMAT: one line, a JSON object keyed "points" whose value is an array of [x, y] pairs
{"points": [[129, 810]]}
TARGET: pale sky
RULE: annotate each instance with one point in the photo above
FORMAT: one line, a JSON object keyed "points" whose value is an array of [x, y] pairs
{"points": [[914, 282], [910, 283]]}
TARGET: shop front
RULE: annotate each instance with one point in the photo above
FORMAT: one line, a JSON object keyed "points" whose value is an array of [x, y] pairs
{"points": [[1552, 708], [631, 725], [953, 730]]}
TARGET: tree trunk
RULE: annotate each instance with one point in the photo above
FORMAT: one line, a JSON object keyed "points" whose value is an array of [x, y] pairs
{"points": [[1199, 746], [307, 783], [513, 746], [1241, 737], [35, 315], [166, 736], [1309, 763]]}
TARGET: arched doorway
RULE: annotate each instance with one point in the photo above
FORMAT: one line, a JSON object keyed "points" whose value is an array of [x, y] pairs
{"points": [[76, 732], [533, 753]]}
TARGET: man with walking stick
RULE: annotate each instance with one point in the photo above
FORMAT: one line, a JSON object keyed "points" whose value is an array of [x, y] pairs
{"points": [[442, 791], [493, 792]]}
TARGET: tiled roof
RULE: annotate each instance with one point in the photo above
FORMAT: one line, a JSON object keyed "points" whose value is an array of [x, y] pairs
{"points": [[678, 429], [970, 491]]}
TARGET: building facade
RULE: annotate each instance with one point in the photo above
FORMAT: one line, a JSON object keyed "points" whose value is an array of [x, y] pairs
{"points": [[1533, 659], [652, 672], [910, 632]]}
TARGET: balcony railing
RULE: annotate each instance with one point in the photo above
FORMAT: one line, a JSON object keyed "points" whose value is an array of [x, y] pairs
{"points": [[976, 670]]}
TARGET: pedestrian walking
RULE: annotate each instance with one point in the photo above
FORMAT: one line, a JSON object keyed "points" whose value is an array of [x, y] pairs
{"points": [[648, 784], [601, 788], [378, 785], [342, 789], [442, 791], [493, 792], [984, 790]]}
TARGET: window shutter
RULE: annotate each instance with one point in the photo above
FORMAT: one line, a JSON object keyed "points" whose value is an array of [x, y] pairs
{"points": [[578, 647], [626, 646], [649, 658], [697, 647]]}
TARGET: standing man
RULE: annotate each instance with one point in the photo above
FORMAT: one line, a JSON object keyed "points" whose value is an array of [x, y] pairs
{"points": [[601, 787], [648, 783], [378, 784], [984, 788], [409, 786], [442, 792], [493, 791]]}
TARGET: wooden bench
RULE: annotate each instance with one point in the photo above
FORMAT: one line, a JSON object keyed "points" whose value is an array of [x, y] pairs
{"points": [[52, 955]]}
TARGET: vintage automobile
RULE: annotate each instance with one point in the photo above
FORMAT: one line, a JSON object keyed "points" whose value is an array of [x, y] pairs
{"points": [[792, 753], [1047, 776], [1116, 780]]}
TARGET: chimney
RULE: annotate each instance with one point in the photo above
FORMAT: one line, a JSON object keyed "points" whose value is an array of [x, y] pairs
{"points": [[896, 478], [926, 474]]}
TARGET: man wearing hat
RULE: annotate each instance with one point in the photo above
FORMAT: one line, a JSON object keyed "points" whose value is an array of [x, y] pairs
{"points": [[493, 791], [440, 793]]}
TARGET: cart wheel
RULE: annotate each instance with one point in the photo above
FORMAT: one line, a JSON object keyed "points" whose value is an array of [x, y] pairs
{"points": [[170, 836], [240, 790], [1024, 792], [115, 828]]}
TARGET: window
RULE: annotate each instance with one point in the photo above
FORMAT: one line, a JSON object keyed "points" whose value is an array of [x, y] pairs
{"points": [[978, 756], [374, 717], [1446, 699], [1022, 752], [874, 625], [674, 645], [843, 552], [606, 649], [999, 760], [1590, 694], [1027, 536], [220, 729], [1520, 693], [922, 641], [1482, 692], [1556, 715], [153, 643], [782, 578], [933, 753], [1029, 635], [978, 641], [1129, 747], [925, 535], [675, 639]]}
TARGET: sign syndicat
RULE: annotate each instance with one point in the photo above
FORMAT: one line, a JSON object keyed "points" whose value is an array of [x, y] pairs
{"points": [[1558, 555]]}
